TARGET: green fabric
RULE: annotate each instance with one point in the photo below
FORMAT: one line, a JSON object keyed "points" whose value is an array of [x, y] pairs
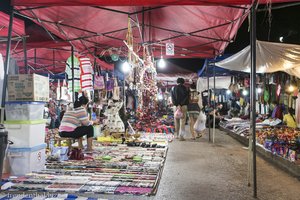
{"points": [[42, 121], [106, 158], [266, 95], [77, 73]]}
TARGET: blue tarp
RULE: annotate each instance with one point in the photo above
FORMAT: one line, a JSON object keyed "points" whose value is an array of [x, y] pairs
{"points": [[210, 63]]}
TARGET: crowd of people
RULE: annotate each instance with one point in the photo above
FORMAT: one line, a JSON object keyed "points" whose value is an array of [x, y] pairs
{"points": [[188, 102]]}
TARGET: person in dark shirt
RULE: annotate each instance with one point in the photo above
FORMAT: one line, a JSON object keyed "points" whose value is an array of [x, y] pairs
{"points": [[180, 99]]}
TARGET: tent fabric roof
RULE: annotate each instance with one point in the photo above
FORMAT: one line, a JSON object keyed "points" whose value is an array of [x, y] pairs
{"points": [[212, 68], [270, 57], [136, 2], [196, 31], [18, 28]]}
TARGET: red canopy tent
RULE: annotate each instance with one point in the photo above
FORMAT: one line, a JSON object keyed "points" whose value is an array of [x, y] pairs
{"points": [[196, 31], [43, 53], [136, 2], [18, 26]]}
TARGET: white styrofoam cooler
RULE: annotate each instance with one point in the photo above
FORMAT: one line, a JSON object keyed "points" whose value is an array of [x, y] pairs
{"points": [[26, 160], [26, 135], [24, 110]]}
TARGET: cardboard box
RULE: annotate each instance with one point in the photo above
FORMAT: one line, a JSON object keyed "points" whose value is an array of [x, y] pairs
{"points": [[28, 87]]}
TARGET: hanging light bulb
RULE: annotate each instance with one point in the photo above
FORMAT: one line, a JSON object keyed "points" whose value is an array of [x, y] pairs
{"points": [[228, 92], [291, 88], [161, 63], [259, 90], [245, 92], [160, 97], [125, 67]]}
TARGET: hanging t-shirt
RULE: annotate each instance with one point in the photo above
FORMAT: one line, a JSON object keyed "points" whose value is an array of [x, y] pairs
{"points": [[86, 78], [77, 73]]}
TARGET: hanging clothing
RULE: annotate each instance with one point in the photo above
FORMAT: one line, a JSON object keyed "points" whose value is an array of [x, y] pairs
{"points": [[86, 78], [116, 91], [290, 120], [110, 84], [114, 122], [77, 73]]}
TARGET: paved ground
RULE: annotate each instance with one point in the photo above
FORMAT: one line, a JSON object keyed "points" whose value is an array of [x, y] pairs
{"points": [[200, 170]]}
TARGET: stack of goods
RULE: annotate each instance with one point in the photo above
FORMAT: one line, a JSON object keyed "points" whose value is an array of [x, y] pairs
{"points": [[109, 170], [24, 122], [283, 141], [242, 127], [152, 124], [237, 125]]}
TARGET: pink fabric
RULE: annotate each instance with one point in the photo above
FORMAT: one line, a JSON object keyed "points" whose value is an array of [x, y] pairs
{"points": [[136, 2], [66, 129], [18, 26]]}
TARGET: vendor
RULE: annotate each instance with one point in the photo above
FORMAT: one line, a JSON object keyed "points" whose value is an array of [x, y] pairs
{"points": [[75, 123], [289, 119]]}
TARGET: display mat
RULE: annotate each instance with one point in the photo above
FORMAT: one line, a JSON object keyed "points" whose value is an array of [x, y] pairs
{"points": [[110, 169], [45, 197]]}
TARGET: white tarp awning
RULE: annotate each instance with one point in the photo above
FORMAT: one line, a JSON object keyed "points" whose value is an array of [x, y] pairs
{"points": [[222, 82], [270, 57]]}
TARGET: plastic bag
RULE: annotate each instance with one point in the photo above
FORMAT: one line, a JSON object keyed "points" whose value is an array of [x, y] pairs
{"points": [[182, 133], [200, 123], [178, 114]]}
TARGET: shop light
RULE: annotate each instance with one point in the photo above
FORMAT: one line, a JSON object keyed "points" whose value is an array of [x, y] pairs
{"points": [[281, 39], [125, 67], [245, 92], [161, 63], [259, 90], [160, 97], [228, 92], [291, 88]]}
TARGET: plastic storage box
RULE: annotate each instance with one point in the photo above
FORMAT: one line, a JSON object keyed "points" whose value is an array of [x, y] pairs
{"points": [[18, 110], [26, 160], [28, 134]]}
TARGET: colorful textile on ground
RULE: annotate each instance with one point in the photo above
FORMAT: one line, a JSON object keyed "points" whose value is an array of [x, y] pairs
{"points": [[108, 170], [44, 197]]}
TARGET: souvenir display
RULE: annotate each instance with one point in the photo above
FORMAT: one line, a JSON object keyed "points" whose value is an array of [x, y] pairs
{"points": [[111, 170]]}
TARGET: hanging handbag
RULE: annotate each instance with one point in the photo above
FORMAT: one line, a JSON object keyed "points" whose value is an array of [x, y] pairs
{"points": [[99, 82]]}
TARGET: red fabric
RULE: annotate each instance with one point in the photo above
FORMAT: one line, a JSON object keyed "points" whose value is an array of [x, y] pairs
{"points": [[18, 26], [197, 20], [135, 2]]}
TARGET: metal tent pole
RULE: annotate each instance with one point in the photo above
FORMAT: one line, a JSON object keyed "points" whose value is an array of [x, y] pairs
{"points": [[208, 96], [25, 55], [72, 65], [7, 58], [253, 86], [214, 129]]}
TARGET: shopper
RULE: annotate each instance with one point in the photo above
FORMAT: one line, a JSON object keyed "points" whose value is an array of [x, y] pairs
{"points": [[289, 119], [180, 99], [75, 124], [193, 109]]}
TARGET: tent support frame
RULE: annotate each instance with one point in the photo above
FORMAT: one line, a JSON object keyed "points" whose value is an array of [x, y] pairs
{"points": [[25, 55], [7, 58], [253, 91]]}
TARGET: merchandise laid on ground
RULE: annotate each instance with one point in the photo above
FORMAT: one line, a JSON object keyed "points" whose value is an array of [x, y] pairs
{"points": [[110, 169], [90, 108]]}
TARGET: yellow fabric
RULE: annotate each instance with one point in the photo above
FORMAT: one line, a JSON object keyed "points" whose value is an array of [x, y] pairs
{"points": [[290, 122], [242, 101]]}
